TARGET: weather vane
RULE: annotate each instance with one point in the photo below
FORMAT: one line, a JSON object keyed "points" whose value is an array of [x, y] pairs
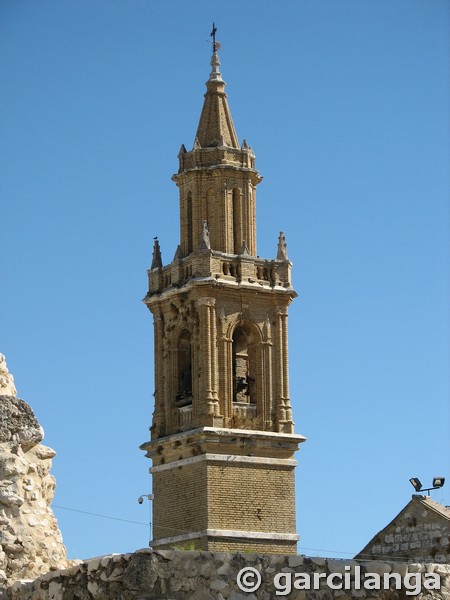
{"points": [[215, 45]]}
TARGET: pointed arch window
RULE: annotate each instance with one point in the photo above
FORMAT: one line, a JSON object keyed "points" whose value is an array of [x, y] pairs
{"points": [[244, 388], [184, 368], [189, 246], [237, 220]]}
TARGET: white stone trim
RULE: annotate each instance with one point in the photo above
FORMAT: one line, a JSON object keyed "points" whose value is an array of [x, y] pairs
{"points": [[227, 533], [219, 433], [228, 458]]}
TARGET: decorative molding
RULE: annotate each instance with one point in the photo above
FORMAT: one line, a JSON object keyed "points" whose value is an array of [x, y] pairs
{"points": [[227, 533], [227, 458]]}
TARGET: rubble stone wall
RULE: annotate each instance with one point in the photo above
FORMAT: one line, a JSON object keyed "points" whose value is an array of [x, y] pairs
{"points": [[179, 575], [421, 532]]}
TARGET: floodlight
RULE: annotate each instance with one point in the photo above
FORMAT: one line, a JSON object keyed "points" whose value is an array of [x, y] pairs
{"points": [[415, 482], [438, 482]]}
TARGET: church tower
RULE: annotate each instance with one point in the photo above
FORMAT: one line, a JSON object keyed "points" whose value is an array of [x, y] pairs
{"points": [[222, 437]]}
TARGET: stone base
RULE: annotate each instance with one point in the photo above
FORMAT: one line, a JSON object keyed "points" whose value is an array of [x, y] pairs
{"points": [[215, 540], [224, 490]]}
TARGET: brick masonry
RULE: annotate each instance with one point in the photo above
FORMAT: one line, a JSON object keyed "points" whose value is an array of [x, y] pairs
{"points": [[221, 356]]}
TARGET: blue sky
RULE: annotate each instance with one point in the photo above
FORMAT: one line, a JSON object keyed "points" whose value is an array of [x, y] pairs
{"points": [[345, 103]]}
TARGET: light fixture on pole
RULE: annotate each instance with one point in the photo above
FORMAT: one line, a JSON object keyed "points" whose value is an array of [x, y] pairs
{"points": [[438, 482], [415, 482], [149, 497]]}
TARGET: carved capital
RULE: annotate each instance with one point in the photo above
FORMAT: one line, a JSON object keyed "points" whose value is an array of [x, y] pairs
{"points": [[205, 302], [222, 316]]}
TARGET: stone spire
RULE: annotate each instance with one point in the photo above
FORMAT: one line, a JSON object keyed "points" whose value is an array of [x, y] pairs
{"points": [[156, 259], [216, 125], [282, 247]]}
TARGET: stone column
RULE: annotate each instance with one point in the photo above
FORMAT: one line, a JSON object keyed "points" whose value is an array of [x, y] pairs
{"points": [[172, 383], [279, 371], [164, 355], [214, 357], [289, 427], [267, 376], [206, 399], [159, 414], [195, 343], [251, 218], [228, 219], [225, 373]]}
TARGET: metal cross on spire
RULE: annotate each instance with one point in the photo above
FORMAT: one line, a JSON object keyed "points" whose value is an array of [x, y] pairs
{"points": [[213, 35]]}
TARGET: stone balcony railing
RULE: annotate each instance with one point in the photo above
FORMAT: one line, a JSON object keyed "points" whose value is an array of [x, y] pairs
{"points": [[244, 410], [185, 416], [218, 156], [234, 268]]}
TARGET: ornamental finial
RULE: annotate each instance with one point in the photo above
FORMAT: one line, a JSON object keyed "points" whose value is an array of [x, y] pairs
{"points": [[156, 259], [282, 247], [215, 74]]}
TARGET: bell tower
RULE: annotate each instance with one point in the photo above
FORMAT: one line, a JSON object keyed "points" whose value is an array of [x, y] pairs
{"points": [[222, 436]]}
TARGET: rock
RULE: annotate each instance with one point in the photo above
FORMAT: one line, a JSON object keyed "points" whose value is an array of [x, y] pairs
{"points": [[44, 452], [18, 423], [8, 498], [378, 567], [218, 585], [7, 387], [30, 541], [295, 561]]}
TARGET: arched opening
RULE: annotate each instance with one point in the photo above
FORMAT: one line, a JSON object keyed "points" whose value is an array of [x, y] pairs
{"points": [[189, 247], [244, 375], [237, 221], [184, 387]]}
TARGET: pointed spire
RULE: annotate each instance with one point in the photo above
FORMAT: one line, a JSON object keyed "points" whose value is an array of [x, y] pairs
{"points": [[282, 247], [244, 249], [216, 125], [178, 253], [156, 260]]}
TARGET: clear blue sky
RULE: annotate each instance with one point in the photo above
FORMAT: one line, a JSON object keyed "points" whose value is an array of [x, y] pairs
{"points": [[345, 103]]}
